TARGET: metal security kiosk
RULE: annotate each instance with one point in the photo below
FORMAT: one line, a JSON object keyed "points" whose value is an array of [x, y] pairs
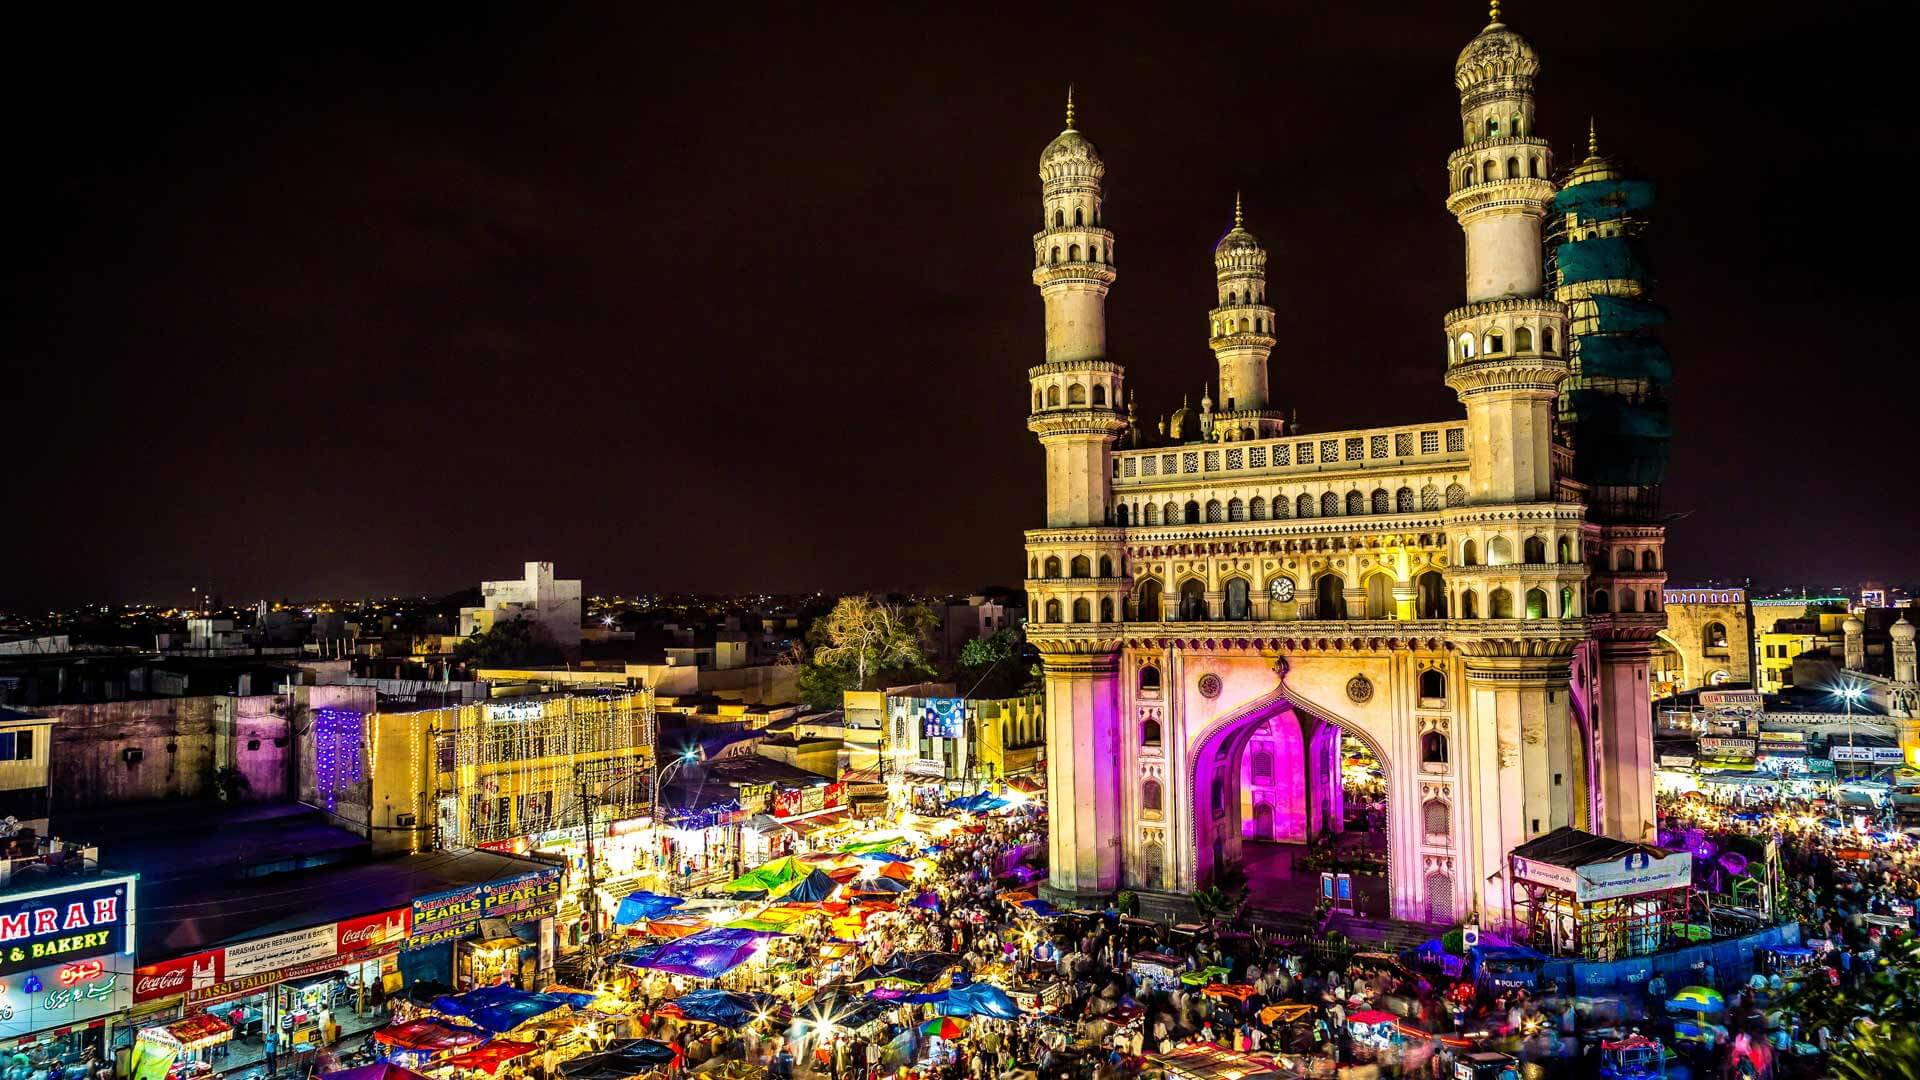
{"points": [[1580, 895]]}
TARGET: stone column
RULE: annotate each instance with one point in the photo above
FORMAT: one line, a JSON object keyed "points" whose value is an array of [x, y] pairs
{"points": [[1083, 774], [1507, 761], [1624, 719]]}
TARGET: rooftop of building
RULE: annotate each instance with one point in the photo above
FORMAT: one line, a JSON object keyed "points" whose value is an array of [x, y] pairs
{"points": [[274, 868]]}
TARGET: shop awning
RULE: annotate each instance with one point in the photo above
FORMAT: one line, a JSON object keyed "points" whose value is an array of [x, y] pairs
{"points": [[384, 1070], [805, 827], [489, 1057], [727, 1008], [706, 955], [620, 1061], [433, 1036], [640, 905], [191, 1032], [498, 1008]]}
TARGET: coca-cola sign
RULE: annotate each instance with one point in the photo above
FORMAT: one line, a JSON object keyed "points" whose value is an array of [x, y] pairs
{"points": [[370, 931], [171, 977]]}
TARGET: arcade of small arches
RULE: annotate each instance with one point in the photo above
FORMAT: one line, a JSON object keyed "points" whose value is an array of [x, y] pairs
{"points": [[1355, 502], [1493, 342], [1489, 170]]}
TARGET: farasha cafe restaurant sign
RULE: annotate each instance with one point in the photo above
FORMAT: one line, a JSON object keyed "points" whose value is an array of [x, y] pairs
{"points": [[66, 955], [254, 965]]}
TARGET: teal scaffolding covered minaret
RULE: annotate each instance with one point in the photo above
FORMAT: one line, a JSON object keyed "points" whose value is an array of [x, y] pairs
{"points": [[1613, 410]]}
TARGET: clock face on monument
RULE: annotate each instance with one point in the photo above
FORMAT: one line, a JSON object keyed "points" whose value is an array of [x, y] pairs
{"points": [[1283, 589]]}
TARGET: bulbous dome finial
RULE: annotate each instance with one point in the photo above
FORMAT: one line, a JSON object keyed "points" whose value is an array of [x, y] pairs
{"points": [[1236, 239], [1070, 148], [1497, 52]]}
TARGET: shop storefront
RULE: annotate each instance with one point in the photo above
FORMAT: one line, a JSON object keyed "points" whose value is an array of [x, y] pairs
{"points": [[66, 973], [284, 995], [495, 932]]}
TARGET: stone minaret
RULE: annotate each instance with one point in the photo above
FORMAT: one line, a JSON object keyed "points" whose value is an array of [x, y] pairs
{"points": [[1904, 694], [1242, 336], [1077, 391], [1499, 194], [1077, 573]]}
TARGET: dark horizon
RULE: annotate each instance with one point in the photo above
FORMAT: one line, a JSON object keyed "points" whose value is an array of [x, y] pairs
{"points": [[389, 306]]}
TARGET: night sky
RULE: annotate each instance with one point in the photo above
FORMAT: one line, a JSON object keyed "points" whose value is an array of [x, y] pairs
{"points": [[316, 301]]}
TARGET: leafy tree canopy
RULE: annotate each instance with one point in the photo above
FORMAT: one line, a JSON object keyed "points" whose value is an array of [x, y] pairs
{"points": [[515, 643]]}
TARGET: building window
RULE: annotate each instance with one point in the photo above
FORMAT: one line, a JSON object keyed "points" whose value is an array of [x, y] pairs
{"points": [[1382, 502], [1256, 457], [1213, 511], [1053, 566], [1257, 509], [1456, 440], [1456, 495], [1304, 452], [1082, 611], [1236, 458], [1377, 446], [1280, 455], [1356, 449], [16, 745], [1053, 611], [1429, 442], [1433, 686], [1403, 444], [1150, 680], [1190, 463], [1303, 507], [1193, 512], [1500, 604], [1213, 461], [1127, 467], [1329, 505], [1438, 817], [1150, 796], [1236, 510], [1168, 463], [1356, 504], [1148, 610], [1149, 466]]}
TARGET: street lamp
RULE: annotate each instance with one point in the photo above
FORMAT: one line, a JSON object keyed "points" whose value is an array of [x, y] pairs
{"points": [[1850, 693]]}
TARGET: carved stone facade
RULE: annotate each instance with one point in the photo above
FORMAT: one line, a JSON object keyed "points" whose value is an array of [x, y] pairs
{"points": [[1424, 588]]}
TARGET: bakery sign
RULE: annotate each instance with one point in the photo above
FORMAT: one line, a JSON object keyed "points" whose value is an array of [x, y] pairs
{"points": [[65, 924]]}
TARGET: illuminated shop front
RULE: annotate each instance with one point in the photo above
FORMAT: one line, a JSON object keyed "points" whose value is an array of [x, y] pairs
{"points": [[301, 990], [66, 971], [462, 936]]}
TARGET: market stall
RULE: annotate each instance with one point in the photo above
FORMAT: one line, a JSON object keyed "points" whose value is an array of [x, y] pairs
{"points": [[177, 1051], [1580, 895]]}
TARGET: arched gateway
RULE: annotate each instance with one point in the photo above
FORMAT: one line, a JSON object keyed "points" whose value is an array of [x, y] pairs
{"points": [[1268, 802]]}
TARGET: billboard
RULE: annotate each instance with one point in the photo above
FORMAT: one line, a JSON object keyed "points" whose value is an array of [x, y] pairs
{"points": [[1878, 755], [452, 915], [943, 718], [66, 923]]}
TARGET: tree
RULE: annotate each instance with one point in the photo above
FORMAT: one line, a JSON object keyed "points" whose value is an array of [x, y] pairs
{"points": [[1874, 1022], [991, 667], [507, 644], [864, 639]]}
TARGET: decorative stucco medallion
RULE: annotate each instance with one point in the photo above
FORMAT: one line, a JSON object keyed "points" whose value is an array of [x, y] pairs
{"points": [[1360, 689], [1209, 685]]}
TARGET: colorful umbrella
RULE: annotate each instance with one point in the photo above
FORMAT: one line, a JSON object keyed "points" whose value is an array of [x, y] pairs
{"points": [[943, 1027], [1697, 999]]}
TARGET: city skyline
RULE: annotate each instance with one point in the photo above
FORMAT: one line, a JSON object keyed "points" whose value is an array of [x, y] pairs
{"points": [[332, 317]]}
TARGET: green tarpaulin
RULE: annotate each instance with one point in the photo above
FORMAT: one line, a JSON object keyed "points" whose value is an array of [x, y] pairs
{"points": [[1604, 200], [1614, 356], [1621, 314], [769, 876], [1598, 258]]}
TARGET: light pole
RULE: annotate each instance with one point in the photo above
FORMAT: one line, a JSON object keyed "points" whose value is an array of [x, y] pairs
{"points": [[1850, 693]]}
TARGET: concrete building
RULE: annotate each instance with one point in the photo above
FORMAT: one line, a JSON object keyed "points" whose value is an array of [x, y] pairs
{"points": [[552, 605], [1471, 599], [975, 618], [26, 774]]}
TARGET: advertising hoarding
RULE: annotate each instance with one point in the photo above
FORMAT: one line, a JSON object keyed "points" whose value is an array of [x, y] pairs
{"points": [[943, 718], [66, 923]]}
